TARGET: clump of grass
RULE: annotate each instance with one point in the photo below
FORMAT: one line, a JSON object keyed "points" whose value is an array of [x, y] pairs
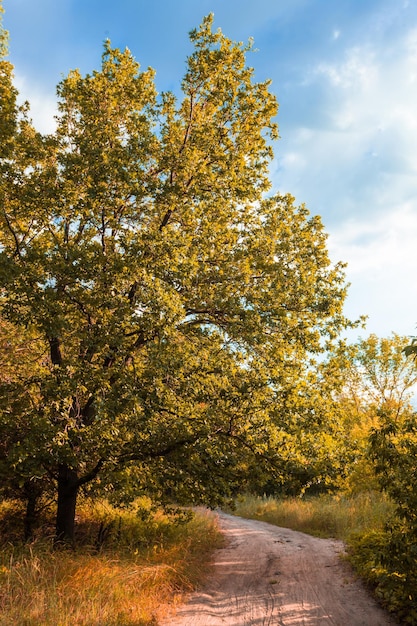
{"points": [[128, 567], [323, 516]]}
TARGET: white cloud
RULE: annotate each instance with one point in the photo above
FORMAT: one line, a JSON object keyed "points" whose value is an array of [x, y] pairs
{"points": [[364, 105], [382, 269], [43, 106], [358, 70], [354, 161]]}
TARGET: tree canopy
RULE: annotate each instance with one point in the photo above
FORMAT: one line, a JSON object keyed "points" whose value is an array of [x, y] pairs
{"points": [[171, 307]]}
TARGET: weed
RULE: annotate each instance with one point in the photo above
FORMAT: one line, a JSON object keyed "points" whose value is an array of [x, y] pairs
{"points": [[141, 565]]}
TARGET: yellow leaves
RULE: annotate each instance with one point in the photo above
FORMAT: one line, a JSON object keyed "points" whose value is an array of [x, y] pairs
{"points": [[227, 117], [4, 36]]}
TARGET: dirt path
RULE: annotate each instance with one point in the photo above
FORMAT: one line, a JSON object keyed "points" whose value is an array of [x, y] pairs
{"points": [[273, 576]]}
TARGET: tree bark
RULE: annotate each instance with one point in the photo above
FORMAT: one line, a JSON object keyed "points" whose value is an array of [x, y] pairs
{"points": [[68, 486], [32, 495]]}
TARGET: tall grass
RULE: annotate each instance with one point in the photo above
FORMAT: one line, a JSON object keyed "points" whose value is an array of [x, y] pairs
{"points": [[322, 516], [130, 566]]}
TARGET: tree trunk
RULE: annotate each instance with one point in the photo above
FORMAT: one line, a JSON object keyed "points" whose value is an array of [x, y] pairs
{"points": [[32, 495], [68, 486]]}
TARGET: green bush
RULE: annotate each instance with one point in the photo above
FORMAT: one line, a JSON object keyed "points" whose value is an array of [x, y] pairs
{"points": [[387, 560]]}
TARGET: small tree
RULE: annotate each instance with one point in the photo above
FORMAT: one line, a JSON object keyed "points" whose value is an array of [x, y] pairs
{"points": [[171, 298], [375, 379], [393, 451]]}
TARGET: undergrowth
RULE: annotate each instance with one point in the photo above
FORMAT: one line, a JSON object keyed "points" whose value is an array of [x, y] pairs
{"points": [[129, 566], [387, 561]]}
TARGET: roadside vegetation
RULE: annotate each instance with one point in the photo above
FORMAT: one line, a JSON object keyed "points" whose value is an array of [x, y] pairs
{"points": [[322, 516], [128, 568]]}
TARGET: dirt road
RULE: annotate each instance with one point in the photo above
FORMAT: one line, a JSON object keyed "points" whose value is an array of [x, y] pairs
{"points": [[273, 576]]}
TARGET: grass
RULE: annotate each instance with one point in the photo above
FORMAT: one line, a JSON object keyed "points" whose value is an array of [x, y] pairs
{"points": [[129, 568], [323, 516]]}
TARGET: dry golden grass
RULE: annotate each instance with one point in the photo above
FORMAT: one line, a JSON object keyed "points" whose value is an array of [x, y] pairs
{"points": [[144, 566], [322, 516]]}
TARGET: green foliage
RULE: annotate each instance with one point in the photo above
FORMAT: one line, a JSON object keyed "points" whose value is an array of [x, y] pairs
{"points": [[368, 378], [374, 374], [388, 559], [376, 400], [380, 400], [388, 376], [411, 348], [394, 452]]}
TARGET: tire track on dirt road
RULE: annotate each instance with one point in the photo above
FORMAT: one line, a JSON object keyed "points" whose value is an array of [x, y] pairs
{"points": [[270, 576]]}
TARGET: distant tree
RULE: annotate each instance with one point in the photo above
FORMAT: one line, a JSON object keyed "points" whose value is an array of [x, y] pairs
{"points": [[377, 375], [177, 306], [393, 451], [376, 379], [394, 563]]}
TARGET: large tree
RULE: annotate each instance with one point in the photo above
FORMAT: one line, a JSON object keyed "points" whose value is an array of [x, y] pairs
{"points": [[176, 305]]}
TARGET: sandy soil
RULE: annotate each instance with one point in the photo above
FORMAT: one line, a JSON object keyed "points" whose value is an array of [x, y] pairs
{"points": [[274, 576]]}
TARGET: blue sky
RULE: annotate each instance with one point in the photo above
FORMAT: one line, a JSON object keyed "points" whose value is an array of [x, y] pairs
{"points": [[345, 74]]}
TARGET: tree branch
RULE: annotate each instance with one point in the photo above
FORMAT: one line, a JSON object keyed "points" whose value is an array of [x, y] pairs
{"points": [[161, 452], [83, 480], [16, 240], [165, 220]]}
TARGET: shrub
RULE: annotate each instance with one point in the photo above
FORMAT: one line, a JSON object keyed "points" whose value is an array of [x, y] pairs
{"points": [[387, 560], [128, 567]]}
